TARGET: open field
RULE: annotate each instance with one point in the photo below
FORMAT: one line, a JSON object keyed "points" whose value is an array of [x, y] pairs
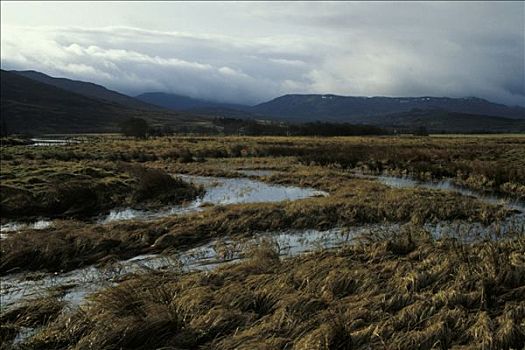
{"points": [[402, 285]]}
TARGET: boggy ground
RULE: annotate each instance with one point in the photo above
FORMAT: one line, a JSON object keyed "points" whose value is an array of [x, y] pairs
{"points": [[400, 291], [352, 201], [403, 291], [488, 163]]}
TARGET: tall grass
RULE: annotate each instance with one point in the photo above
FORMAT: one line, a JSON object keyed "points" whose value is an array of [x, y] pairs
{"points": [[429, 294]]}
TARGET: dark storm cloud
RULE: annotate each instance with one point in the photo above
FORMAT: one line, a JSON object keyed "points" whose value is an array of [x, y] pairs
{"points": [[242, 52]]}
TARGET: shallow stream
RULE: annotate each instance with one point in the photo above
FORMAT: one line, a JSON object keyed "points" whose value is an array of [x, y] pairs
{"points": [[448, 185], [75, 285]]}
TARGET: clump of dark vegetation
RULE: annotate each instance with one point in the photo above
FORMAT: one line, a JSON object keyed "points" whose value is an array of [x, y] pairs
{"points": [[135, 127], [84, 190], [419, 294], [156, 185]]}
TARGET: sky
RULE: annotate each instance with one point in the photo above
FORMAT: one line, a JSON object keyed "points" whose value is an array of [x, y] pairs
{"points": [[251, 52]]}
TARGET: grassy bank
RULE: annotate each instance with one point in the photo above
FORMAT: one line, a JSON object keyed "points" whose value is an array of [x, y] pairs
{"points": [[81, 189]]}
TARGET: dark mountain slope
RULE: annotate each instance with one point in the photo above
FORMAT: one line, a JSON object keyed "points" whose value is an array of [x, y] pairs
{"points": [[87, 89], [34, 107], [357, 109]]}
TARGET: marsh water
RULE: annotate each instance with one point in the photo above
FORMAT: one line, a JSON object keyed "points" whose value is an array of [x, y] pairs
{"points": [[15, 226], [223, 191], [75, 285], [448, 185], [219, 191], [52, 142]]}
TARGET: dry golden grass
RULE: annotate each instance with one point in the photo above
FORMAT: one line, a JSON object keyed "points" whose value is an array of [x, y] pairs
{"points": [[420, 294], [392, 290]]}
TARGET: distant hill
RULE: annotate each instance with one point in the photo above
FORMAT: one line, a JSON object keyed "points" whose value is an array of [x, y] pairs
{"points": [[450, 122], [34, 107], [437, 114], [185, 103], [33, 102], [335, 108], [87, 89]]}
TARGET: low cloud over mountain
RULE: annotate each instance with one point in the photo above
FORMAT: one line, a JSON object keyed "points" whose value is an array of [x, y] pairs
{"points": [[250, 53]]}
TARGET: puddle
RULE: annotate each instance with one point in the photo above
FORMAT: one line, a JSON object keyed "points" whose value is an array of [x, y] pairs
{"points": [[224, 191], [20, 286], [471, 231], [448, 185], [77, 284], [24, 333], [220, 191], [52, 142]]}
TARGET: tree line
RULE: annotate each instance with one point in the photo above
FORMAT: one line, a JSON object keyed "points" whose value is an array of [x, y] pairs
{"points": [[139, 128]]}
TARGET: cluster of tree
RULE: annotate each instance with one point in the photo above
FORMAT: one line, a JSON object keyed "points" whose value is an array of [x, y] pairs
{"points": [[232, 126], [249, 127], [135, 127], [333, 129], [139, 128], [165, 130]]}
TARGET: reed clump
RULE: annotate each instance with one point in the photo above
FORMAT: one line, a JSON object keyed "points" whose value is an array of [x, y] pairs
{"points": [[82, 190], [31, 313]]}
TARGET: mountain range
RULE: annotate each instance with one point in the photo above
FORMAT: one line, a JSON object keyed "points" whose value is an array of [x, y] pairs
{"points": [[363, 109], [34, 107], [37, 103]]}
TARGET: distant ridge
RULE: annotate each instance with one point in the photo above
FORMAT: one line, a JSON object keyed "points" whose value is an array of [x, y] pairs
{"points": [[30, 106], [86, 88], [336, 108], [437, 121], [436, 113]]}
